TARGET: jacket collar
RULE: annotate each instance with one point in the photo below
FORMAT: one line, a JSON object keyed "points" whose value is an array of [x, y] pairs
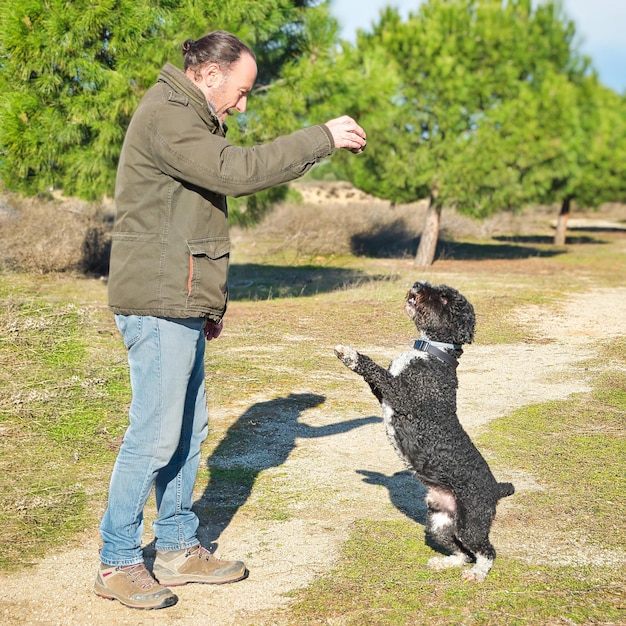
{"points": [[184, 88]]}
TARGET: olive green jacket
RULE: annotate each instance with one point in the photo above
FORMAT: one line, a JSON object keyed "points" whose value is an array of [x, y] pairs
{"points": [[170, 248]]}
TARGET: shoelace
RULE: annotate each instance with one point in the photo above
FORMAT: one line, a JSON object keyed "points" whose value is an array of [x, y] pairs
{"points": [[200, 552], [140, 576]]}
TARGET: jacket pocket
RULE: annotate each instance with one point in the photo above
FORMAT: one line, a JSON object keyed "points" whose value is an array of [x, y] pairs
{"points": [[208, 273]]}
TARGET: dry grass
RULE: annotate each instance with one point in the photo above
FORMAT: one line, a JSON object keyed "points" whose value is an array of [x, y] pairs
{"points": [[42, 235], [55, 234], [335, 219]]}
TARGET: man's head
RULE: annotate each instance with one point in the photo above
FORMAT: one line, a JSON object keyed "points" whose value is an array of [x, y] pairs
{"points": [[223, 68]]}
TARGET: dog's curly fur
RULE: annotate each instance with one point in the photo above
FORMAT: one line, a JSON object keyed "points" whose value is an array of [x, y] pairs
{"points": [[418, 397]]}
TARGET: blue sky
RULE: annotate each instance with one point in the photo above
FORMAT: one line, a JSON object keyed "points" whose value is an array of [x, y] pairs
{"points": [[600, 29]]}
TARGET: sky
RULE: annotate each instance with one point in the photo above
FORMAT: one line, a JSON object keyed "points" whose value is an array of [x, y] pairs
{"points": [[600, 29]]}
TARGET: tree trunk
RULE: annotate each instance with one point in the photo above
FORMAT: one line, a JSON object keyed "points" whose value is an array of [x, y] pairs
{"points": [[430, 234], [561, 223]]}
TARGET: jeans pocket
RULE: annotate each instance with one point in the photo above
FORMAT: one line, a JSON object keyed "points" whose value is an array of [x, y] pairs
{"points": [[130, 327]]}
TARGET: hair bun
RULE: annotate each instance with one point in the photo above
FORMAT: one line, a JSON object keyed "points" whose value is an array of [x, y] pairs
{"points": [[187, 45]]}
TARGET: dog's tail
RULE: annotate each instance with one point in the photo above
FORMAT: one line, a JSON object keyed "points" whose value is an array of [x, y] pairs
{"points": [[505, 489]]}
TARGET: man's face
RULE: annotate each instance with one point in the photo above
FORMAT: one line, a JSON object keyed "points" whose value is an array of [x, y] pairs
{"points": [[229, 92]]}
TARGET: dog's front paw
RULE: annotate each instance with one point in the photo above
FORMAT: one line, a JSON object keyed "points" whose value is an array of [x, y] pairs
{"points": [[348, 356]]}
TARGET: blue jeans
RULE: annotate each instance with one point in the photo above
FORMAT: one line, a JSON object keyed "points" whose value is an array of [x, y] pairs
{"points": [[161, 447]]}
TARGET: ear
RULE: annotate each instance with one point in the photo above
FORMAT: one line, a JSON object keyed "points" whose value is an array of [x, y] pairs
{"points": [[212, 75]]}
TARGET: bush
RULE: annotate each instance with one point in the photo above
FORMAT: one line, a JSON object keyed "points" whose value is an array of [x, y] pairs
{"points": [[46, 234]]}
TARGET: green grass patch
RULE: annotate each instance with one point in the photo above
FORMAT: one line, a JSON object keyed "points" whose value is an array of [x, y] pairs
{"points": [[61, 399], [41, 509], [383, 581], [576, 451]]}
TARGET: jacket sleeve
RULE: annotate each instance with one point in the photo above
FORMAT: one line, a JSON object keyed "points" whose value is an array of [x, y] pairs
{"points": [[189, 151]]}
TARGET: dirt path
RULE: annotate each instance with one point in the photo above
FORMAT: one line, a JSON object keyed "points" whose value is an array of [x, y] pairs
{"points": [[354, 466]]}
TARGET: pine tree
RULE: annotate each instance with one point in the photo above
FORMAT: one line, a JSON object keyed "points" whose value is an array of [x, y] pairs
{"points": [[482, 112], [72, 74], [599, 174]]}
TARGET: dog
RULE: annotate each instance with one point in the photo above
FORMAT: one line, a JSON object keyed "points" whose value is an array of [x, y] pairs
{"points": [[418, 398]]}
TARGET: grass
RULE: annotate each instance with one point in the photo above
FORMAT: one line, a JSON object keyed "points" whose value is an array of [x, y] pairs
{"points": [[64, 397], [61, 395], [382, 581], [576, 451]]}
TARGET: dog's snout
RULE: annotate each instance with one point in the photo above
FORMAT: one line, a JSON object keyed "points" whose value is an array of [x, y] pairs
{"points": [[417, 290], [414, 296]]}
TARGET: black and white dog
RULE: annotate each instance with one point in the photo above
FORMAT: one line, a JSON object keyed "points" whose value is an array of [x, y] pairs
{"points": [[418, 398]]}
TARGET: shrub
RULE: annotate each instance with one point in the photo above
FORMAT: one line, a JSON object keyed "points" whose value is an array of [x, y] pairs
{"points": [[46, 234]]}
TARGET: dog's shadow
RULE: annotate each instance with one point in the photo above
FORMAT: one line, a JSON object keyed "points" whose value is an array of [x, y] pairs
{"points": [[405, 492], [262, 438]]}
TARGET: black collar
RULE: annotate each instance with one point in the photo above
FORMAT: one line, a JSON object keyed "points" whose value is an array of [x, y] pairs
{"points": [[431, 348]]}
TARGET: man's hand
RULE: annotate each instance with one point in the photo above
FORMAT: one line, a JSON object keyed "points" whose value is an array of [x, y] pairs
{"points": [[347, 134], [212, 330]]}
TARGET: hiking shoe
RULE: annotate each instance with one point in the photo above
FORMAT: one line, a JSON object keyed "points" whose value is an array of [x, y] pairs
{"points": [[133, 586], [195, 565]]}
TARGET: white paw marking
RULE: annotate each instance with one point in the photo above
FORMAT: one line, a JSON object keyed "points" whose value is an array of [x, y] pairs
{"points": [[446, 562], [347, 355], [479, 572]]}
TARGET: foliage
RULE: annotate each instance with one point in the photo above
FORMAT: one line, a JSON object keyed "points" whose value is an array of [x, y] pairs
{"points": [[482, 106], [603, 179], [71, 76], [483, 99]]}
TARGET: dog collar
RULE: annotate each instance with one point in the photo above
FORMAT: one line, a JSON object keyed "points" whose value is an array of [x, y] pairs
{"points": [[434, 348]]}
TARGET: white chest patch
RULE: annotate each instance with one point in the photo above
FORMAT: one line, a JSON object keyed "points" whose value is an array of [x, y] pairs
{"points": [[398, 365]]}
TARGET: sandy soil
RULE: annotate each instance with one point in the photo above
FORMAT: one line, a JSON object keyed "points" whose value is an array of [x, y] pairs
{"points": [[357, 466]]}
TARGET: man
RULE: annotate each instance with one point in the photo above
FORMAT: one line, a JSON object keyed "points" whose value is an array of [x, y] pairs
{"points": [[167, 289]]}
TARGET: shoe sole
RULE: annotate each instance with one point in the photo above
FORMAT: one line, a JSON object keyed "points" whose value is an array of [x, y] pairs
{"points": [[177, 581], [171, 601]]}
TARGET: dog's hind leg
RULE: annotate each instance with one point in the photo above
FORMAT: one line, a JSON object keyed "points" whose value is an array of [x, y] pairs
{"points": [[440, 528], [473, 535], [485, 557]]}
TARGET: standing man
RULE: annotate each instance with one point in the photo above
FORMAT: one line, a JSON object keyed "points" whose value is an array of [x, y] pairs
{"points": [[168, 291]]}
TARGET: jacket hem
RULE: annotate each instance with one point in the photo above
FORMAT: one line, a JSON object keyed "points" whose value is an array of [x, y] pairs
{"points": [[215, 316]]}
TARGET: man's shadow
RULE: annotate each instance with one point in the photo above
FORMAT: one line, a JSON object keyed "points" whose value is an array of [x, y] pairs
{"points": [[405, 492], [262, 438]]}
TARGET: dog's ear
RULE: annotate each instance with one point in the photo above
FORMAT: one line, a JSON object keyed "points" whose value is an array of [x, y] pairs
{"points": [[467, 329], [463, 312]]}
